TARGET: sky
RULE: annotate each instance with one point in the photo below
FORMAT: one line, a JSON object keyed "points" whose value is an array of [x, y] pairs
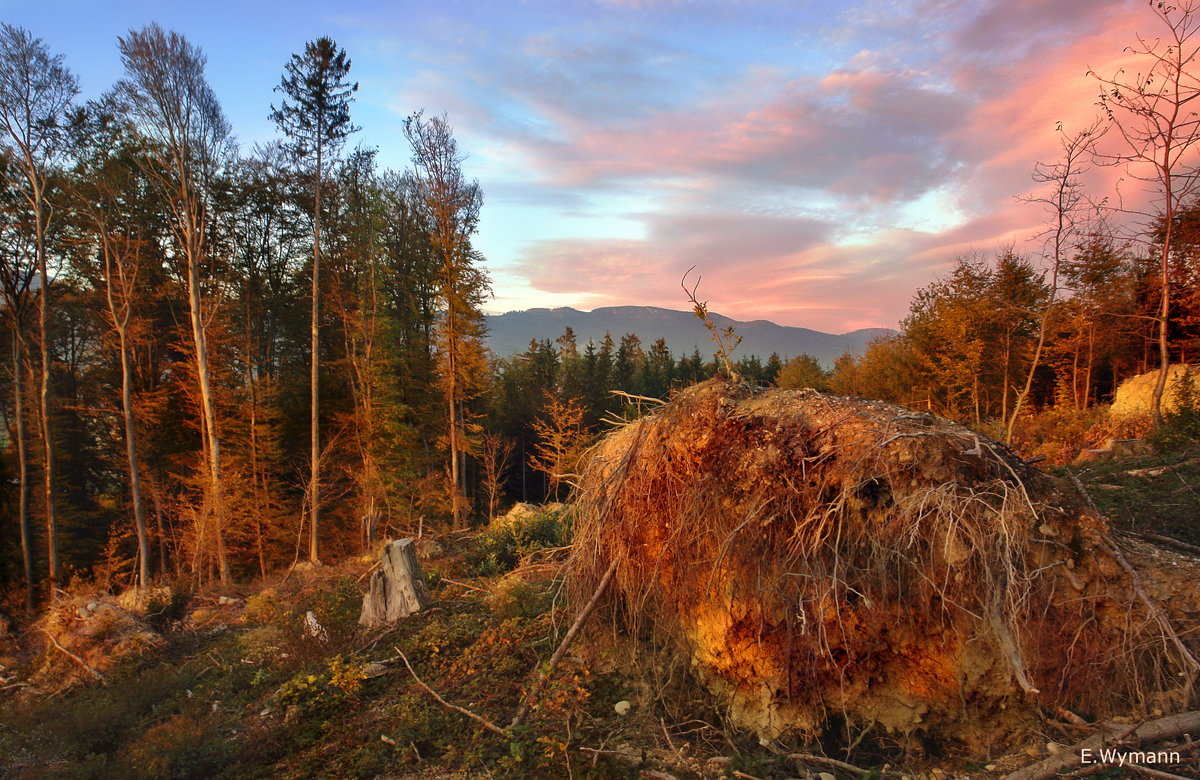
{"points": [[815, 162]]}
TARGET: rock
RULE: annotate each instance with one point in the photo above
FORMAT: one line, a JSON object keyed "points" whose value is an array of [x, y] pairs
{"points": [[313, 629], [1135, 395], [397, 588]]}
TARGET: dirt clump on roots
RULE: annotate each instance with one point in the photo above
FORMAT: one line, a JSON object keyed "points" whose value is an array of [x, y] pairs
{"points": [[834, 567]]}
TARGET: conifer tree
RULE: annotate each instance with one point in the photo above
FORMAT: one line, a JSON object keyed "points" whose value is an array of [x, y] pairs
{"points": [[315, 116]]}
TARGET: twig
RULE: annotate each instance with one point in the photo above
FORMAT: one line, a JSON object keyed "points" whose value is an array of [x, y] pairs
{"points": [[463, 585], [833, 762], [374, 566], [540, 681], [487, 724], [75, 658], [632, 397]]}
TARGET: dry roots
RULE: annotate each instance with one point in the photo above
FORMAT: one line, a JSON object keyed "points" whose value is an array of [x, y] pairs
{"points": [[830, 560]]}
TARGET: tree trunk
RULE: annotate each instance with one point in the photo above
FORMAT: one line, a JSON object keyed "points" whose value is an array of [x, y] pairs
{"points": [[120, 318], [208, 412], [135, 482], [23, 472], [314, 487], [44, 395], [397, 589]]}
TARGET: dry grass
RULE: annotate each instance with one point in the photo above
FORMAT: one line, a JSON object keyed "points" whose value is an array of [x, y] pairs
{"points": [[825, 559]]}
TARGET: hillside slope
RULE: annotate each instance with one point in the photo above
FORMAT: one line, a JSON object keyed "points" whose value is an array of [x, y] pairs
{"points": [[511, 332]]}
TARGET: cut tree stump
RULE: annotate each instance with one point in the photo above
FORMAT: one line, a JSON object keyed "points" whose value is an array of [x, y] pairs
{"points": [[397, 588]]}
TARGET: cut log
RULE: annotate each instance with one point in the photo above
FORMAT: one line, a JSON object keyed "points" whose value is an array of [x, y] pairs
{"points": [[397, 588]]}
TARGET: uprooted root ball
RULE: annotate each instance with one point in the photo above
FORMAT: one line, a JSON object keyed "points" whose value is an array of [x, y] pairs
{"points": [[832, 560]]}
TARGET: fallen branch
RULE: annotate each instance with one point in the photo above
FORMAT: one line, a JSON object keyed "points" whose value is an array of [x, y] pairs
{"points": [[76, 658], [536, 689], [808, 758], [1157, 730], [1135, 580], [1145, 770], [487, 724], [632, 397], [463, 585], [1167, 541]]}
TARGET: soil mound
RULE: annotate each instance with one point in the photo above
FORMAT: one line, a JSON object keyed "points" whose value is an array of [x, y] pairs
{"points": [[832, 566]]}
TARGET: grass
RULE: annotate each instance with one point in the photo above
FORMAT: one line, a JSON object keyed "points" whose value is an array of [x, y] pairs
{"points": [[1157, 492], [247, 695]]}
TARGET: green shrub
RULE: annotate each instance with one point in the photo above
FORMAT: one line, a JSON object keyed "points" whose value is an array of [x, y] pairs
{"points": [[180, 747], [500, 549]]}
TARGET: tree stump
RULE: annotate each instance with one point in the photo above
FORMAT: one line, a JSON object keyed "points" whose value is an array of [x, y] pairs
{"points": [[397, 589]]}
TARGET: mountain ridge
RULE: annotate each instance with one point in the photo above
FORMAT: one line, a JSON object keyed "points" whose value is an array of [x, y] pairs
{"points": [[510, 333]]}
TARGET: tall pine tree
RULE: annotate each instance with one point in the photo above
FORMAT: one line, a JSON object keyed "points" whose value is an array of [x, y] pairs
{"points": [[315, 116]]}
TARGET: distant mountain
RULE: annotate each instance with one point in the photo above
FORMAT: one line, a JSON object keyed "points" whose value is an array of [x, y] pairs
{"points": [[510, 333]]}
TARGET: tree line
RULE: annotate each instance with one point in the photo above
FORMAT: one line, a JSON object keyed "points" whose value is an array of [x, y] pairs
{"points": [[219, 361], [222, 360]]}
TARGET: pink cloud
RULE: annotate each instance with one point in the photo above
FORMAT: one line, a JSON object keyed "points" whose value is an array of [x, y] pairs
{"points": [[849, 151]]}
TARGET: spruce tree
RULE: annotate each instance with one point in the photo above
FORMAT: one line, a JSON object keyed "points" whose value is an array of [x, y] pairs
{"points": [[315, 116]]}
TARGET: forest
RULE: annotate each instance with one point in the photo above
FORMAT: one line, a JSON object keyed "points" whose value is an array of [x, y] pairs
{"points": [[222, 360], [231, 376]]}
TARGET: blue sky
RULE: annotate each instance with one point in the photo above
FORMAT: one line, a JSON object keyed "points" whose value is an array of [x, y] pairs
{"points": [[816, 161]]}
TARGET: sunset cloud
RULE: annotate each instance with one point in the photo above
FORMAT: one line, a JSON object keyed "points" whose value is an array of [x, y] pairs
{"points": [[817, 162]]}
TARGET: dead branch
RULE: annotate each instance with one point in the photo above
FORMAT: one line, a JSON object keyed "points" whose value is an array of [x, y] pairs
{"points": [[726, 340], [632, 397], [1167, 541], [75, 658], [572, 632], [1157, 730], [808, 758], [487, 724], [1145, 770], [463, 585]]}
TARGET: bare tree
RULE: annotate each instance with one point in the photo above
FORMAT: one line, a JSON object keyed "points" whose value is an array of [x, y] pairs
{"points": [[1153, 112], [36, 91], [1064, 201], [16, 283], [105, 197], [166, 95], [495, 454]]}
